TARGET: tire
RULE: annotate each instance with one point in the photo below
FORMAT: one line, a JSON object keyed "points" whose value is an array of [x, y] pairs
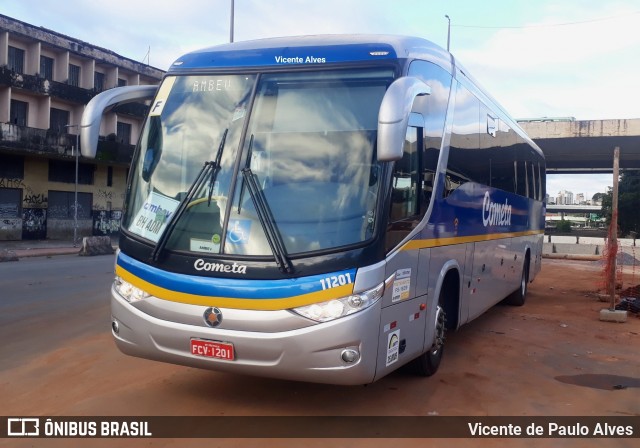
{"points": [[519, 296], [427, 364]]}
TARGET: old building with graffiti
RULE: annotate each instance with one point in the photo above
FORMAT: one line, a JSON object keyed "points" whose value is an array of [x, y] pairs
{"points": [[47, 190]]}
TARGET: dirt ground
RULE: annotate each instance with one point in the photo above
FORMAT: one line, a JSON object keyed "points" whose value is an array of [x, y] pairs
{"points": [[551, 357]]}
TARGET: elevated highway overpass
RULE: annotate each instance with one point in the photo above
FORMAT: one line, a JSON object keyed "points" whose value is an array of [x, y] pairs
{"points": [[552, 208], [585, 146]]}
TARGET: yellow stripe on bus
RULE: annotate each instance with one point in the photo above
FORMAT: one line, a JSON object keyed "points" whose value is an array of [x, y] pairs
{"points": [[235, 303], [436, 242]]}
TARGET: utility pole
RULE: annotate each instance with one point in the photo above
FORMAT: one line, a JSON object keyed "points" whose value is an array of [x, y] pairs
{"points": [[75, 196], [448, 32], [613, 243]]}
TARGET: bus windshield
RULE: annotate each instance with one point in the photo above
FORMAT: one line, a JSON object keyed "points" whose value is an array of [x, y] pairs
{"points": [[309, 146]]}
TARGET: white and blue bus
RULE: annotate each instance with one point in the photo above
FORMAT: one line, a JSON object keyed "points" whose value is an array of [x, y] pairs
{"points": [[319, 208]]}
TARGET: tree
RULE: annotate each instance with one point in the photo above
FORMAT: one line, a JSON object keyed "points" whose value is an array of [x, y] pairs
{"points": [[597, 197], [628, 203]]}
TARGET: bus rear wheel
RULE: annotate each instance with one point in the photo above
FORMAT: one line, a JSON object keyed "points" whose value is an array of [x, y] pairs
{"points": [[427, 364], [518, 297]]}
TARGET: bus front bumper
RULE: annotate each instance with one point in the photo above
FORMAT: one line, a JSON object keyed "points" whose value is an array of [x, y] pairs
{"points": [[312, 354]]}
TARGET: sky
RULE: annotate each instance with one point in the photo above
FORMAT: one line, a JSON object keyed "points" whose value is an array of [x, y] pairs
{"points": [[542, 58]]}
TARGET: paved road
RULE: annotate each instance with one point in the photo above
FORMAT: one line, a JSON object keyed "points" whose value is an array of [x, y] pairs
{"points": [[57, 358], [47, 301]]}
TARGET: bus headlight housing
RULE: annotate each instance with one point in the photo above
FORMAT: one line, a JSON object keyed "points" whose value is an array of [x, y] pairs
{"points": [[336, 308], [129, 292]]}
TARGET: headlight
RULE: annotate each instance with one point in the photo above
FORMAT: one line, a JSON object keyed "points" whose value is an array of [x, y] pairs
{"points": [[336, 308], [128, 291]]}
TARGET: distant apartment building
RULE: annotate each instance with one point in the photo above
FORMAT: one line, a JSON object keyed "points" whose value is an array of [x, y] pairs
{"points": [[564, 198], [46, 79], [580, 199]]}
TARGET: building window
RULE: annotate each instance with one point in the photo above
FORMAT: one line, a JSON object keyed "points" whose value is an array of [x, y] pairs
{"points": [[10, 202], [98, 81], [62, 205], [11, 167], [64, 171], [109, 176], [58, 120], [74, 75], [18, 112], [16, 59], [46, 67], [122, 82], [123, 132]]}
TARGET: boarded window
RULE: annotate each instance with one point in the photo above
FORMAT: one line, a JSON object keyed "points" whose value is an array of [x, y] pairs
{"points": [[18, 112], [62, 205], [11, 166], [63, 171], [58, 120], [16, 59], [46, 67], [10, 202], [123, 131], [74, 75]]}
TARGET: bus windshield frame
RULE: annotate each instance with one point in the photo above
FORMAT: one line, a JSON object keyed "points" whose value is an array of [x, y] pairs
{"points": [[307, 136]]}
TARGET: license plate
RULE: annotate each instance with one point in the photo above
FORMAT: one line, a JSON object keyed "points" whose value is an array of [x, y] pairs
{"points": [[212, 349]]}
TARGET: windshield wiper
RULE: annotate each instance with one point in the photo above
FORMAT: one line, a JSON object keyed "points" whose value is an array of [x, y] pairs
{"points": [[209, 167], [274, 238], [247, 164], [216, 167]]}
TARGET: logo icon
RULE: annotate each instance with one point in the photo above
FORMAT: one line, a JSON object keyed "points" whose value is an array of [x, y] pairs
{"points": [[23, 427], [212, 317]]}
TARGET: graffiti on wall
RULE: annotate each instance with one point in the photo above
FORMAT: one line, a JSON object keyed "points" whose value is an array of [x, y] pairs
{"points": [[34, 224], [8, 210], [10, 224], [106, 222], [35, 200], [11, 183]]}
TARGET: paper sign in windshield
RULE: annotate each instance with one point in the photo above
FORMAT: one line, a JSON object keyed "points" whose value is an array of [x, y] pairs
{"points": [[153, 216]]}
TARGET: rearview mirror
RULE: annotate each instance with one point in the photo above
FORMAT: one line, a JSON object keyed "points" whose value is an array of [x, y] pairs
{"points": [[101, 103], [393, 117]]}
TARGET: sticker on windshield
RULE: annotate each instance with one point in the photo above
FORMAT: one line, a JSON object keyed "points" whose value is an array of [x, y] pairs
{"points": [[161, 97], [197, 245], [239, 231], [238, 113], [153, 216]]}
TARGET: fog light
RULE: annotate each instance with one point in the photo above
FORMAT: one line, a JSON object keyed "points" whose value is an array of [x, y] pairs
{"points": [[350, 355], [115, 327]]}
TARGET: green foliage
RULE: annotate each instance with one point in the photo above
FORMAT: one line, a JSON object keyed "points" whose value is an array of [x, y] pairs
{"points": [[563, 226], [628, 203]]}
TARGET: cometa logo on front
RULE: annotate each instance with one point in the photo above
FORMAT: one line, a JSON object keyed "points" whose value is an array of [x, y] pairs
{"points": [[495, 214], [235, 268]]}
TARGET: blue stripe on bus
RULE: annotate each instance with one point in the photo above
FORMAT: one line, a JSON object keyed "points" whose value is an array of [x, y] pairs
{"points": [[287, 56], [226, 287]]}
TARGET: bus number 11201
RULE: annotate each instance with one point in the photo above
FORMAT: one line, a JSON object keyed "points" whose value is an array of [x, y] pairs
{"points": [[335, 280]]}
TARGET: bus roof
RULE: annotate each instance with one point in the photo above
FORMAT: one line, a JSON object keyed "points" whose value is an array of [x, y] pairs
{"points": [[312, 50]]}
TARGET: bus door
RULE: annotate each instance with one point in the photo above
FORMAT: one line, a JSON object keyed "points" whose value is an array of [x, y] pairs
{"points": [[403, 318]]}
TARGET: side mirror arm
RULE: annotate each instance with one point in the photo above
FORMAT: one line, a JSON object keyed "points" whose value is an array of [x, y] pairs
{"points": [[99, 104], [393, 116]]}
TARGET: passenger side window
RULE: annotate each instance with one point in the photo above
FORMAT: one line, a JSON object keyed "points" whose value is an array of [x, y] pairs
{"points": [[407, 206]]}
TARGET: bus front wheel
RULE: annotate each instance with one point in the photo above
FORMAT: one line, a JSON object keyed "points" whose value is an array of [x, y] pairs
{"points": [[427, 364]]}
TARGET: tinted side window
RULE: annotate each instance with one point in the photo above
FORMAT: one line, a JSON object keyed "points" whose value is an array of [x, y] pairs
{"points": [[433, 108], [466, 162], [407, 205]]}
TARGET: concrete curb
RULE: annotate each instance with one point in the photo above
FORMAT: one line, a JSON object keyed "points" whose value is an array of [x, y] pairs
{"points": [[578, 257]]}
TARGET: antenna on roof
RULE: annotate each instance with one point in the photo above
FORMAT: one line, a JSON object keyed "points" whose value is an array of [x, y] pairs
{"points": [[147, 56]]}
